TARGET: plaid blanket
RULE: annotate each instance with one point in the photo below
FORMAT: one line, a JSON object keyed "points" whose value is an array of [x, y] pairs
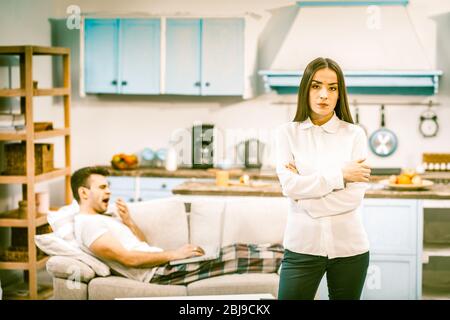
{"points": [[235, 258]]}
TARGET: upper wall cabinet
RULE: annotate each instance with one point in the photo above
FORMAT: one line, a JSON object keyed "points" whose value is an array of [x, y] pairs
{"points": [[122, 56], [205, 57]]}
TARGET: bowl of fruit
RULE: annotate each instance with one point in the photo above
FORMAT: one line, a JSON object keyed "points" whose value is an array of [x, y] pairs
{"points": [[123, 161], [407, 180]]}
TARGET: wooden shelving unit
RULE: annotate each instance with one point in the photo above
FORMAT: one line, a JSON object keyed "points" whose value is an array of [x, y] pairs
{"points": [[26, 93]]}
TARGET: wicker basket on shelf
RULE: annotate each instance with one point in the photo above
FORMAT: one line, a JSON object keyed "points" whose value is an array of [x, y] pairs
{"points": [[16, 158]]}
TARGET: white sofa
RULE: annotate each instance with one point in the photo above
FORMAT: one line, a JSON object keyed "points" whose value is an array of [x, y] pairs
{"points": [[170, 223]]}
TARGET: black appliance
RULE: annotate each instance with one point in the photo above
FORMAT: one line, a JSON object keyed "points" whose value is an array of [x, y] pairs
{"points": [[203, 146], [250, 151]]}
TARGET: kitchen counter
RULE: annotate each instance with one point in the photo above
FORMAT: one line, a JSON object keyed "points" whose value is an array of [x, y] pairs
{"points": [[437, 191], [191, 173], [267, 174]]}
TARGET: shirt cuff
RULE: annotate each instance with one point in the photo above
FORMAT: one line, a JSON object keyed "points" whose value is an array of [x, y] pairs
{"points": [[334, 178]]}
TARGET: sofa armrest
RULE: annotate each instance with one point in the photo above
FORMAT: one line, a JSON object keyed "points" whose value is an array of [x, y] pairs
{"points": [[69, 268]]}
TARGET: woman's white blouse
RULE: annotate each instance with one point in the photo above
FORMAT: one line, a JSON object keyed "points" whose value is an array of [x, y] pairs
{"points": [[323, 217]]}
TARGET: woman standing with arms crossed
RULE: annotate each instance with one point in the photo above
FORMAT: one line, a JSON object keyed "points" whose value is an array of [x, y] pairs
{"points": [[320, 165]]}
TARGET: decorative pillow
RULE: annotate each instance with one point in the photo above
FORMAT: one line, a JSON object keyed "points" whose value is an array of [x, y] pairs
{"points": [[62, 221], [53, 245]]}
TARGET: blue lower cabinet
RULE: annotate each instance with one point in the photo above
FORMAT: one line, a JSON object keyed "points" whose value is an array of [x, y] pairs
{"points": [[388, 278], [395, 231], [122, 187], [392, 278], [393, 225]]}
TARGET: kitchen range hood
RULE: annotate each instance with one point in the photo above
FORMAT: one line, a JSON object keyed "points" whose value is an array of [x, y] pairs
{"points": [[374, 42]]}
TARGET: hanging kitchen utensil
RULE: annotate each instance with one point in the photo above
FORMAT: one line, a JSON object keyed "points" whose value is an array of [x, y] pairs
{"points": [[383, 142], [428, 125], [357, 118]]}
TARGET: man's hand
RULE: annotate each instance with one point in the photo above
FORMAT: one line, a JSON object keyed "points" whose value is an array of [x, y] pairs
{"points": [[291, 167], [123, 211], [187, 251], [356, 171]]}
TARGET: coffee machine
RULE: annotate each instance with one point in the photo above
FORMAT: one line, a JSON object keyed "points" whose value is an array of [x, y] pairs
{"points": [[202, 146]]}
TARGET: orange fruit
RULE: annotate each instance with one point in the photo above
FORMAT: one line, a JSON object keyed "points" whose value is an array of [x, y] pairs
{"points": [[404, 179]]}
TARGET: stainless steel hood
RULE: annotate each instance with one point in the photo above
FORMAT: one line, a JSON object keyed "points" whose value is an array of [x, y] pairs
{"points": [[376, 46]]}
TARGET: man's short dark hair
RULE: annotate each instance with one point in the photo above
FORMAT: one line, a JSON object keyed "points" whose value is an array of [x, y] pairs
{"points": [[80, 178]]}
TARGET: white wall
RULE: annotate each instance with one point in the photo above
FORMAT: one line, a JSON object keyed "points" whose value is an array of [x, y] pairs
{"points": [[104, 125]]}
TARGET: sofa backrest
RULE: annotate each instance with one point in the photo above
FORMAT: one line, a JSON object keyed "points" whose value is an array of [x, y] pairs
{"points": [[257, 220], [163, 221], [166, 224]]}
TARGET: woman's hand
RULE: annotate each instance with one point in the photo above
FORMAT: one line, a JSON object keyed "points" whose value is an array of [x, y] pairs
{"points": [[291, 167], [356, 171]]}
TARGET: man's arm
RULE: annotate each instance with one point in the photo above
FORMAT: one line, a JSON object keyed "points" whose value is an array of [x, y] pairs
{"points": [[126, 219], [109, 248]]}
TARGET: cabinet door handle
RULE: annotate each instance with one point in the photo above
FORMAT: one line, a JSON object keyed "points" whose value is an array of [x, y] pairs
{"points": [[124, 83], [207, 84], [197, 84], [139, 199], [114, 82], [131, 200], [164, 186]]}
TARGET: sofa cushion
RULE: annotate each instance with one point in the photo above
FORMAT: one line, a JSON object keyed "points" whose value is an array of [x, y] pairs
{"points": [[119, 287], [69, 268], [257, 220], [62, 290], [163, 221], [205, 221], [53, 245], [236, 284]]}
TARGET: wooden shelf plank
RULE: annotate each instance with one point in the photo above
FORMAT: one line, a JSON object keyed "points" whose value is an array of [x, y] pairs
{"points": [[37, 50], [22, 135], [5, 265], [51, 133], [51, 92], [44, 292], [12, 49], [39, 178], [11, 219], [13, 135], [12, 92], [53, 174]]}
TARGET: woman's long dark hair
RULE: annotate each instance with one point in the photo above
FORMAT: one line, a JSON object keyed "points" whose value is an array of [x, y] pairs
{"points": [[303, 108]]}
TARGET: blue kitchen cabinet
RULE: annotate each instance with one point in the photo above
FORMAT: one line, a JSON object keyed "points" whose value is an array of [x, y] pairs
{"points": [[205, 57], [136, 189], [223, 57], [101, 50], [183, 56], [140, 56], [122, 56], [395, 231], [156, 188], [122, 187]]}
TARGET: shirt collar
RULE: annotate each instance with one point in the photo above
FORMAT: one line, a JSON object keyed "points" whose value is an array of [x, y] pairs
{"points": [[331, 126]]}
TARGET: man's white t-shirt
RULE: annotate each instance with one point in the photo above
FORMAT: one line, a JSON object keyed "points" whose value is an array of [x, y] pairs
{"points": [[89, 227]]}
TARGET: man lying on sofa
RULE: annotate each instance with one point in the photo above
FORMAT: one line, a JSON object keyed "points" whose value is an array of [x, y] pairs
{"points": [[121, 244]]}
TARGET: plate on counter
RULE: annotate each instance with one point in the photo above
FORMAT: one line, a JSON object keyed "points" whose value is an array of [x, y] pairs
{"points": [[426, 184]]}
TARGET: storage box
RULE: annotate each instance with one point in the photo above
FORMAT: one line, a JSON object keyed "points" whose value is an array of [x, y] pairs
{"points": [[19, 236], [16, 158]]}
